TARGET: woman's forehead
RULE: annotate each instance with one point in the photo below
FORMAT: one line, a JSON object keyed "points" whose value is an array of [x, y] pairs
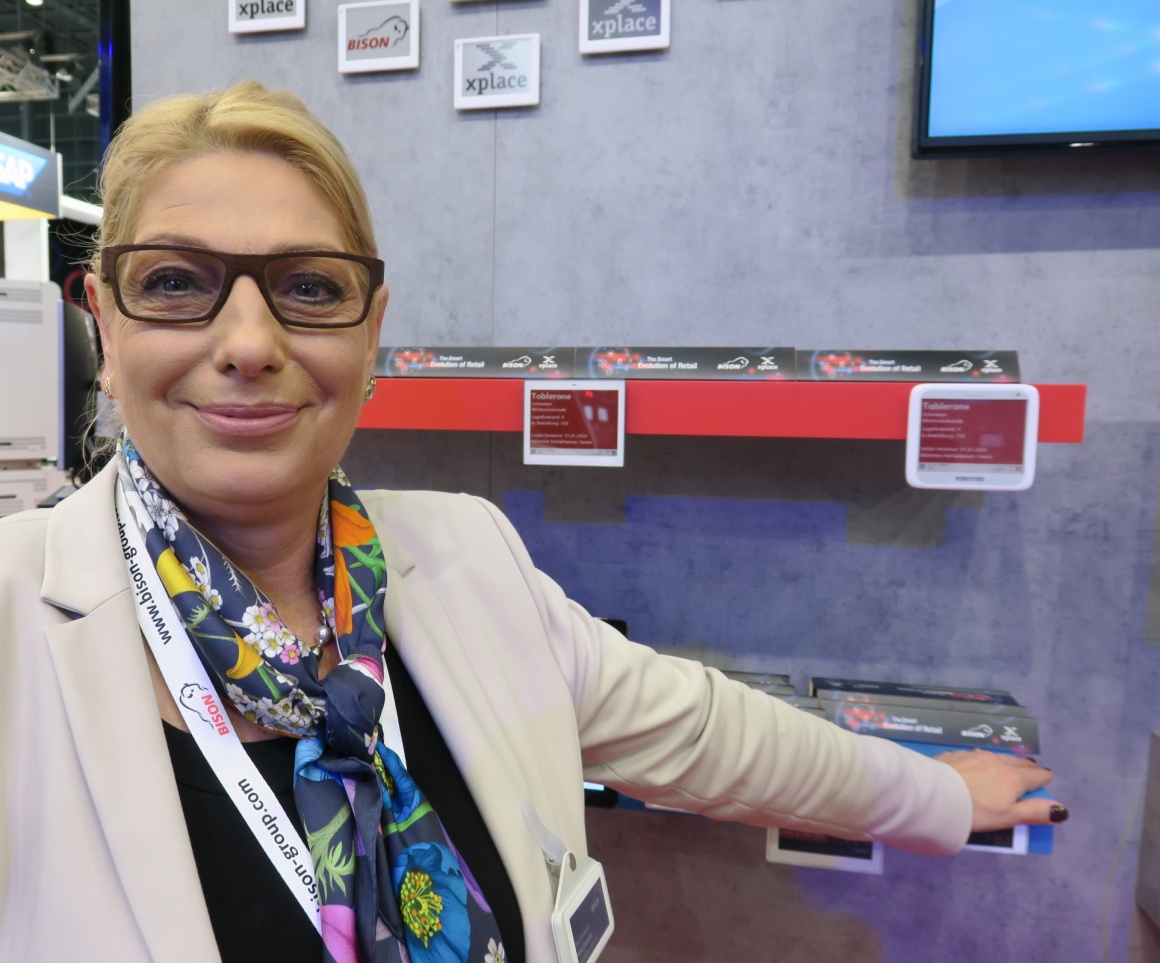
{"points": [[235, 202]]}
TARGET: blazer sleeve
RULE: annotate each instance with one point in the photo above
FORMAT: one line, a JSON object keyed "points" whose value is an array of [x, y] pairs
{"points": [[673, 732]]}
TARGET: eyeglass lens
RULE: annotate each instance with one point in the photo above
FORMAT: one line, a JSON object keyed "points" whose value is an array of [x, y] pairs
{"points": [[175, 286]]}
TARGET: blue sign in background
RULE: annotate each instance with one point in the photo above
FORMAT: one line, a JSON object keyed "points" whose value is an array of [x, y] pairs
{"points": [[29, 175]]}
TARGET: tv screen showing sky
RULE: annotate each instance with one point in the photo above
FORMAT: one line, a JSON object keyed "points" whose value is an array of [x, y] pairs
{"points": [[1044, 66]]}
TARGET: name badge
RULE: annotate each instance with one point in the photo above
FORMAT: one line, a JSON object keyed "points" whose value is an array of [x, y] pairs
{"points": [[582, 921]]}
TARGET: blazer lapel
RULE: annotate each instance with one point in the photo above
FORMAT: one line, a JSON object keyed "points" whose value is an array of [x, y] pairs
{"points": [[112, 713]]}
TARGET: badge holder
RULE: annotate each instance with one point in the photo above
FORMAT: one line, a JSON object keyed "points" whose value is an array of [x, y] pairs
{"points": [[582, 922]]}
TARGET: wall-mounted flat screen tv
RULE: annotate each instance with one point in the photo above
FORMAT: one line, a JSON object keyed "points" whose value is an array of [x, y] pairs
{"points": [[1003, 76]]}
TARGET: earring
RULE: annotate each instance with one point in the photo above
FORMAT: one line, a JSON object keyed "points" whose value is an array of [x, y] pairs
{"points": [[372, 384], [107, 388]]}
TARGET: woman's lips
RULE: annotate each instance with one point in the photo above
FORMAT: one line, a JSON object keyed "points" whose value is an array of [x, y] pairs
{"points": [[248, 421]]}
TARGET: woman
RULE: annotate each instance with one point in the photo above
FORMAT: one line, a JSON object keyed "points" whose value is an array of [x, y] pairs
{"points": [[417, 704]]}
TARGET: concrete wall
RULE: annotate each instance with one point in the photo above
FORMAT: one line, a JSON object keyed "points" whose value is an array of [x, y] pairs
{"points": [[750, 186]]}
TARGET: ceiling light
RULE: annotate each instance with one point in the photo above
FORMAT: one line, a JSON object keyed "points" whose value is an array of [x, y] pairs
{"points": [[35, 3]]}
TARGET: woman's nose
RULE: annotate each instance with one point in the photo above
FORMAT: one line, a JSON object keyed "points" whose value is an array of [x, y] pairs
{"points": [[248, 338]]}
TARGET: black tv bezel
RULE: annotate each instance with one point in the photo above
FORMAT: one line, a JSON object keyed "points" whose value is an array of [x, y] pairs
{"points": [[1078, 142]]}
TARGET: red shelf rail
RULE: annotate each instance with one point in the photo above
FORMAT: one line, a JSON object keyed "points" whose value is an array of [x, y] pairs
{"points": [[765, 409]]}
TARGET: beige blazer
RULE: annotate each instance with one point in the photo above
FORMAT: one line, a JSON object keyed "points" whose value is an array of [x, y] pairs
{"points": [[530, 692]]}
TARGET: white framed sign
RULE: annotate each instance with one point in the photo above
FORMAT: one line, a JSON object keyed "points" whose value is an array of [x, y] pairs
{"points": [[582, 921], [497, 72], [383, 35], [612, 26], [261, 16], [574, 423], [972, 436], [800, 848], [1013, 842]]}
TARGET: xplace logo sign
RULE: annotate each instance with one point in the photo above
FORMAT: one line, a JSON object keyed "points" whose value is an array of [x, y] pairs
{"points": [[260, 16], [609, 26], [378, 36], [497, 72]]}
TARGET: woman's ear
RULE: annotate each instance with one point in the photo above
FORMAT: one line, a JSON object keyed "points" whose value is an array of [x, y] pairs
{"points": [[374, 323], [93, 297]]}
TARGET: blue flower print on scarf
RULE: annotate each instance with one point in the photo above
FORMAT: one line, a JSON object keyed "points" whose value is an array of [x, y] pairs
{"points": [[401, 797], [433, 902]]}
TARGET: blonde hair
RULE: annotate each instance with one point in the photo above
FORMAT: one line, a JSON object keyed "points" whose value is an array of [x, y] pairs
{"points": [[247, 118]]}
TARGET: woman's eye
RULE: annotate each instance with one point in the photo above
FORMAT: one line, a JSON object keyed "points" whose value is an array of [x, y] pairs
{"points": [[316, 289], [166, 283]]}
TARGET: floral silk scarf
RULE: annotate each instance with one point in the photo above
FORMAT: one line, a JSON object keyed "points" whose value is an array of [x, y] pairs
{"points": [[391, 885]]}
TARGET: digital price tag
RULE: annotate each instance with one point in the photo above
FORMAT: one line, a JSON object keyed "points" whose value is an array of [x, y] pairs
{"points": [[1009, 842], [801, 848], [574, 423], [974, 437], [582, 920]]}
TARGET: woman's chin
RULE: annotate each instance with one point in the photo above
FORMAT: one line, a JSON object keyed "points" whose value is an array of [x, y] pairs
{"points": [[249, 487]]}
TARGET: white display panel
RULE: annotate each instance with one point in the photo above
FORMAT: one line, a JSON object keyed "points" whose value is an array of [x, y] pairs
{"points": [[574, 423], [820, 851], [1020, 839], [972, 437]]}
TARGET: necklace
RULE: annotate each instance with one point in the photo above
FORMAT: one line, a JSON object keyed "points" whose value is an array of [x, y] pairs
{"points": [[322, 636]]}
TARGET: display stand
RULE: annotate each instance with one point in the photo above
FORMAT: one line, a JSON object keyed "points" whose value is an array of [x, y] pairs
{"points": [[782, 409]]}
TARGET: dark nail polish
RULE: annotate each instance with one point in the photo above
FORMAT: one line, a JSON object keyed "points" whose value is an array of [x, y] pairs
{"points": [[1059, 814]]}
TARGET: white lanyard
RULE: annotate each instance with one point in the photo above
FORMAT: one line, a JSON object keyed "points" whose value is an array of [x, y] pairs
{"points": [[196, 698]]}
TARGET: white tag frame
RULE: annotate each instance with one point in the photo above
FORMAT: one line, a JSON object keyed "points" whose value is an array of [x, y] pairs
{"points": [[1020, 839], [579, 876], [528, 98], [658, 42], [849, 864], [972, 476], [564, 456], [293, 21], [379, 64]]}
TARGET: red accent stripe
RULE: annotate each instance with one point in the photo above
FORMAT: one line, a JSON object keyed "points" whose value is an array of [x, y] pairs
{"points": [[784, 409]]}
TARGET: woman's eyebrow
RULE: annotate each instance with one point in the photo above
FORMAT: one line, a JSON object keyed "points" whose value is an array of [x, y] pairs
{"points": [[186, 240]]}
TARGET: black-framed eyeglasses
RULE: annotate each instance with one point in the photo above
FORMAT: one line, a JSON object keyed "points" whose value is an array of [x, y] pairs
{"points": [[171, 284]]}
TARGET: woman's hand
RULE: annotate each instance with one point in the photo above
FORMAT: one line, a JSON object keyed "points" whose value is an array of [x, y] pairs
{"points": [[996, 782]]}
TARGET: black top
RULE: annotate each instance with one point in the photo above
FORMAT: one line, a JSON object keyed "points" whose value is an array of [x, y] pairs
{"points": [[253, 913]]}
